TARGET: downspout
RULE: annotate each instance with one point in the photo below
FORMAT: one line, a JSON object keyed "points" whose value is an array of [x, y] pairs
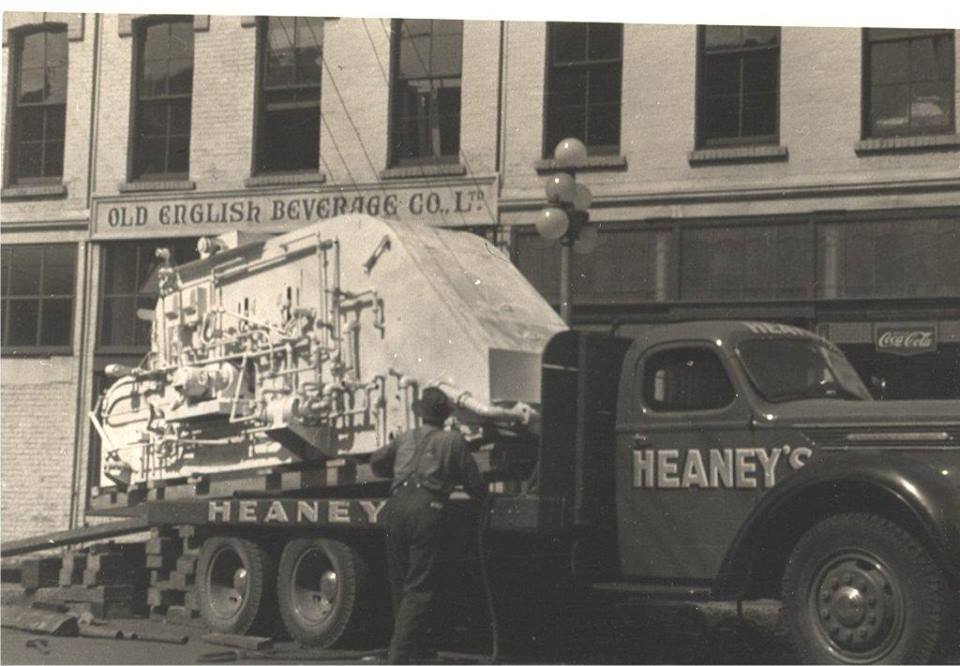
{"points": [[78, 484], [501, 127]]}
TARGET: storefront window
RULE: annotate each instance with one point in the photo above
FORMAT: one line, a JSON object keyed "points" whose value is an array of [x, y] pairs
{"points": [[38, 291], [772, 261], [883, 259], [629, 265], [129, 283]]}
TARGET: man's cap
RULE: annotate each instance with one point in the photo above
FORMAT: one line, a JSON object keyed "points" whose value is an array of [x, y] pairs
{"points": [[432, 405]]}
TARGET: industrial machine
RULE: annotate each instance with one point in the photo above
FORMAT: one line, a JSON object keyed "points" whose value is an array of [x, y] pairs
{"points": [[314, 344]]}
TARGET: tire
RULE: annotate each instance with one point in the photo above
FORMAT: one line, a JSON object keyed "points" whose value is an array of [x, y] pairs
{"points": [[326, 593], [860, 589], [235, 579]]}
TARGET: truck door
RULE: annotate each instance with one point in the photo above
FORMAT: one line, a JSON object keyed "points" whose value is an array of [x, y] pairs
{"points": [[687, 469]]}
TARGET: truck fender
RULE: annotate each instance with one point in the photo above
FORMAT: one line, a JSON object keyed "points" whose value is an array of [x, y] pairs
{"points": [[915, 492]]}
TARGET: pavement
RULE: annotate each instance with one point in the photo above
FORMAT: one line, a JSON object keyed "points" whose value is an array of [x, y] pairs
{"points": [[627, 634]]}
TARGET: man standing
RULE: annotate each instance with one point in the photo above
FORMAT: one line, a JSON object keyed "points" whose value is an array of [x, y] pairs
{"points": [[425, 463]]}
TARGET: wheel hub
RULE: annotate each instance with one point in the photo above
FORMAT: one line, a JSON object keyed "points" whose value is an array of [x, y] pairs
{"points": [[228, 583], [315, 587], [857, 606]]}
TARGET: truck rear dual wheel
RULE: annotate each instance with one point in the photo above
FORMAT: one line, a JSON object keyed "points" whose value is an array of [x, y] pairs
{"points": [[860, 589], [235, 586], [325, 593]]}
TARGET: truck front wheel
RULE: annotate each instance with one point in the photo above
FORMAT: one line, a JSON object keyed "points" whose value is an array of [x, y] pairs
{"points": [[324, 591], [860, 589], [235, 585]]}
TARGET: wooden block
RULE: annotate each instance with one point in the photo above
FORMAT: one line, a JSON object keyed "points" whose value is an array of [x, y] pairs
{"points": [[79, 593], [191, 599], [187, 564], [181, 581], [161, 562], [108, 562], [163, 532], [242, 642], [159, 576], [73, 561], [37, 572], [108, 577], [68, 578], [165, 546], [181, 615], [157, 596]]}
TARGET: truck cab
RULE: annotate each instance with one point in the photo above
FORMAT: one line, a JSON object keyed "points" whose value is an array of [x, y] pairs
{"points": [[750, 461]]}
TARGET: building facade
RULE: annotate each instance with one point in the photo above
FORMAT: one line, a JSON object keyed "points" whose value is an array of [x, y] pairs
{"points": [[802, 175]]}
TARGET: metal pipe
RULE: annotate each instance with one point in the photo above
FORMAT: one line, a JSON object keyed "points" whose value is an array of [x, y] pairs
{"points": [[464, 400]]}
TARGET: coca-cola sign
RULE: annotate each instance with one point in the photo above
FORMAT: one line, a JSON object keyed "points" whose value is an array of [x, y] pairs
{"points": [[905, 340]]}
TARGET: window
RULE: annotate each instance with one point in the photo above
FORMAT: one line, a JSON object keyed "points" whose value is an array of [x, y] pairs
{"points": [[427, 65], [288, 134], [908, 82], [738, 85], [129, 283], [746, 262], [685, 380], [38, 288], [584, 73], [39, 106], [164, 86]]}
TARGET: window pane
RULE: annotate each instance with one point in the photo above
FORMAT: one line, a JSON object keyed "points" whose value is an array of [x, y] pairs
{"points": [[930, 59], [889, 63], [29, 160], [719, 117], [120, 268], [56, 47], [180, 117], [720, 75], [179, 155], [22, 327], [25, 271], [604, 85], [569, 42], [31, 124], [31, 85], [721, 36], [759, 115], [181, 40], [119, 321], [141, 335], [32, 50], [414, 48], [605, 41], [310, 51], [686, 380], [156, 42], [55, 324], [760, 35], [153, 82], [568, 86], [57, 84], [889, 109], [930, 107], [151, 156], [59, 266], [445, 56], [449, 118], [760, 71], [604, 125], [181, 76], [153, 119], [291, 140], [55, 116]]}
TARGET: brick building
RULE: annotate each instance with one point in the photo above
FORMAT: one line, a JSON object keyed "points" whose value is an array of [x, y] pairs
{"points": [[804, 175]]}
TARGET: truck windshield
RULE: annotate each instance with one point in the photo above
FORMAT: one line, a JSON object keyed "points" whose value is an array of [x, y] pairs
{"points": [[791, 369]]}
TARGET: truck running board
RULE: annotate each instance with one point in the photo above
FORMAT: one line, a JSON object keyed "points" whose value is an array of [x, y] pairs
{"points": [[77, 535], [657, 590]]}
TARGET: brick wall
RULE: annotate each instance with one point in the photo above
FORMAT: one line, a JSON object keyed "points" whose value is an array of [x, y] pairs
{"points": [[38, 403]]}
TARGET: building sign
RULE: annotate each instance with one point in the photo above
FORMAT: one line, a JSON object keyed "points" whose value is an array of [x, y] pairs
{"points": [[905, 339], [454, 203]]}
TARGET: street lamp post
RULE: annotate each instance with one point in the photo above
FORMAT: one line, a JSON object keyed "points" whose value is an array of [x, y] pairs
{"points": [[566, 217]]}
